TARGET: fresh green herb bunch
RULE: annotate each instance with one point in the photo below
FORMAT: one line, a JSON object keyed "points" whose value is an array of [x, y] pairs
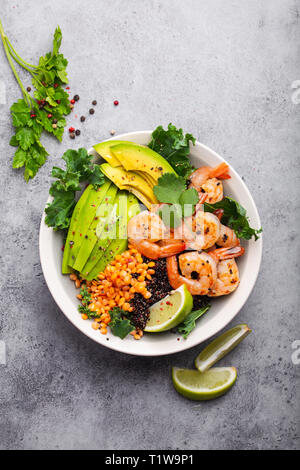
{"points": [[46, 112]]}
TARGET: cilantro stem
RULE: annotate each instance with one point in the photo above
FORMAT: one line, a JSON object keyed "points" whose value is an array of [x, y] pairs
{"points": [[8, 55], [18, 58]]}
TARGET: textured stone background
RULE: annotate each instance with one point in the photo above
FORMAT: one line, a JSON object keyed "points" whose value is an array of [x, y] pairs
{"points": [[223, 71]]}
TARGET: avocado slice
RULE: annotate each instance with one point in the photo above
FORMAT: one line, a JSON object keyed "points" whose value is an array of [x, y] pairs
{"points": [[103, 149], [129, 179], [86, 216], [97, 223], [108, 231], [139, 157], [65, 269], [116, 246]]}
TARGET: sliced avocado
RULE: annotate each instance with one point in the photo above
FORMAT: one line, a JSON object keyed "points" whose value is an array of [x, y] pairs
{"points": [[125, 179], [97, 223], [116, 246], [65, 269], [103, 149], [108, 232], [138, 157], [147, 177], [86, 216]]}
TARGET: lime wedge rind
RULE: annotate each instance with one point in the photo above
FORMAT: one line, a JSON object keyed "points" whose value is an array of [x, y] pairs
{"points": [[175, 317], [224, 377], [221, 346]]}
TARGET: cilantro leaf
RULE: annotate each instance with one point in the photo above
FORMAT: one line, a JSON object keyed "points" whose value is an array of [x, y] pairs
{"points": [[234, 217], [187, 326], [30, 117], [173, 145], [59, 212], [119, 325], [171, 189]]}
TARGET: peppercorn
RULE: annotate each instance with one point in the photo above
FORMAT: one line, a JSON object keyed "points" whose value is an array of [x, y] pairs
{"points": [[71, 129], [94, 102], [116, 102], [72, 135], [71, 105], [55, 85], [76, 97], [72, 101], [28, 88], [91, 111], [32, 115], [58, 101], [54, 121], [77, 132], [82, 118], [54, 126], [49, 116]]}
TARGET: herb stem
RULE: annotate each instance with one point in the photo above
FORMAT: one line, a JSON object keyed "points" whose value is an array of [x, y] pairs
{"points": [[6, 49], [18, 58]]}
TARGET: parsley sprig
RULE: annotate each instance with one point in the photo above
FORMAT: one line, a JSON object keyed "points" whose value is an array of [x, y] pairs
{"points": [[29, 115]]}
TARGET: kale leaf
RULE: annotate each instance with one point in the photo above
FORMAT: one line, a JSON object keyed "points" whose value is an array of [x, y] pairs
{"points": [[174, 146], [234, 217]]}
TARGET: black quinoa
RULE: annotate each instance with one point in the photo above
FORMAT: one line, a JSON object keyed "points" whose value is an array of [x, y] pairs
{"points": [[159, 287]]}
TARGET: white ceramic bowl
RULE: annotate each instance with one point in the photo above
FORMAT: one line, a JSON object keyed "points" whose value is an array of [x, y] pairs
{"points": [[223, 309]]}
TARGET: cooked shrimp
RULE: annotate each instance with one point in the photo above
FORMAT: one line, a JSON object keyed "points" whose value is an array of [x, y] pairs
{"points": [[227, 237], [199, 272], [206, 179], [227, 278], [200, 231], [148, 234]]}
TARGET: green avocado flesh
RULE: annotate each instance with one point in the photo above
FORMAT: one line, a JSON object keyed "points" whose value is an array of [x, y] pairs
{"points": [[84, 219], [76, 215], [103, 149], [141, 158], [127, 207], [96, 225]]}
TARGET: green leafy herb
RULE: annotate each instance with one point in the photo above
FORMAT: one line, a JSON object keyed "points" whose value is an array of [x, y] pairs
{"points": [[119, 325], [79, 168], [171, 189], [46, 112], [174, 146], [234, 217], [87, 311], [189, 323], [86, 296]]}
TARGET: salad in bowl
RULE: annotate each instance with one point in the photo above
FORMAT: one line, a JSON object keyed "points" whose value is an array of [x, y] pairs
{"points": [[158, 246]]}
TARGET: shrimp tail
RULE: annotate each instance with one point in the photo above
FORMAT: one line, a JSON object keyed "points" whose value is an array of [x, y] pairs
{"points": [[226, 253], [219, 213], [171, 249], [220, 171]]}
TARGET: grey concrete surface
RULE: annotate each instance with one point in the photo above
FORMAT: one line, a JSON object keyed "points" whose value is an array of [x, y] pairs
{"points": [[223, 71]]}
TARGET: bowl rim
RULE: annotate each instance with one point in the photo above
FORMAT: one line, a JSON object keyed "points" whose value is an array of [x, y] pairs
{"points": [[46, 232]]}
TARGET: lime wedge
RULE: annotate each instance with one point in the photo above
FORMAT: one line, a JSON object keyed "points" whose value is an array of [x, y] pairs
{"points": [[221, 346], [211, 384], [170, 311]]}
